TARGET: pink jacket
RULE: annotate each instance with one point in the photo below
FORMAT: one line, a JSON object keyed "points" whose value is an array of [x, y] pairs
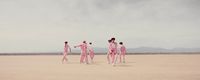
{"points": [[83, 47], [122, 49]]}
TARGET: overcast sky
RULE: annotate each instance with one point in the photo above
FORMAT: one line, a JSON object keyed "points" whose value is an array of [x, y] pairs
{"points": [[43, 25]]}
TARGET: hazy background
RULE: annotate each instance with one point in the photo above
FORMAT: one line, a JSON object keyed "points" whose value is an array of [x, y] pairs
{"points": [[43, 25]]}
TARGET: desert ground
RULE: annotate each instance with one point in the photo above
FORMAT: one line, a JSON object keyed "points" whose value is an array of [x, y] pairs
{"points": [[137, 67]]}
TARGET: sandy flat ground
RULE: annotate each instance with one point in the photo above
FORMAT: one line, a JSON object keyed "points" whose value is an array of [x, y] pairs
{"points": [[137, 67]]}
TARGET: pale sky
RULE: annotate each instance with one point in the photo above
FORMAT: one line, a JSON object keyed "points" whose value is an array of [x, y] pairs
{"points": [[43, 25]]}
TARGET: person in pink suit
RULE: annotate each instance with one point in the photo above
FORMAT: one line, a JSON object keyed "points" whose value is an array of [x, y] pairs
{"points": [[122, 52], [113, 47], [91, 52], [84, 55], [109, 53], [65, 52]]}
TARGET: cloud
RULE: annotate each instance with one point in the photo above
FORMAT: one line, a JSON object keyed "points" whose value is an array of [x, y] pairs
{"points": [[43, 23]]}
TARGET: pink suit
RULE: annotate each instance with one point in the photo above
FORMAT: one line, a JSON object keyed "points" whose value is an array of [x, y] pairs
{"points": [[66, 47], [109, 53], [122, 52], [65, 52], [113, 49], [91, 52], [83, 53]]}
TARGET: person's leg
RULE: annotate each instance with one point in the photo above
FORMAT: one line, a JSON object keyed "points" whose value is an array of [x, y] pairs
{"points": [[120, 57], [108, 57], [113, 57], [82, 58], [90, 54], [92, 57], [116, 58], [124, 58], [86, 57], [64, 57]]}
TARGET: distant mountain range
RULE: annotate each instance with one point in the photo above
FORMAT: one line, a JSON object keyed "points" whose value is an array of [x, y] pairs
{"points": [[151, 49], [104, 50]]}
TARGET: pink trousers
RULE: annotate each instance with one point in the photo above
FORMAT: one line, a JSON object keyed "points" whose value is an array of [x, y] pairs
{"points": [[84, 57]]}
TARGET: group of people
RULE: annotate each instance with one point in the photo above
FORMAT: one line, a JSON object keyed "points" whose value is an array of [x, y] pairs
{"points": [[114, 52], [84, 52]]}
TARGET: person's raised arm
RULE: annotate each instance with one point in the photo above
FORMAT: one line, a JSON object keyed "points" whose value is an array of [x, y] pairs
{"points": [[77, 46]]}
